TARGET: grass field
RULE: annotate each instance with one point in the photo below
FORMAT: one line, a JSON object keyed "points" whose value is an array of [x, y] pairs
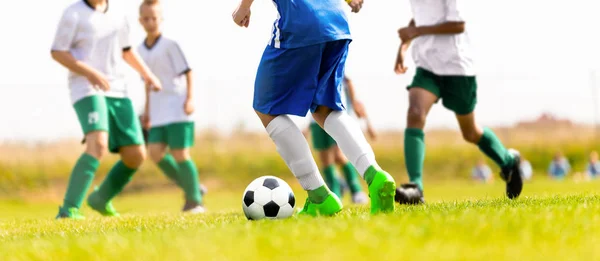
{"points": [[462, 221]]}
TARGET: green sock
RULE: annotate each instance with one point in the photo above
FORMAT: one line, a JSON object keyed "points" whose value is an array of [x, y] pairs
{"points": [[351, 177], [331, 180], [491, 146], [188, 176], [80, 181], [115, 181], [414, 154], [318, 195], [168, 165]]}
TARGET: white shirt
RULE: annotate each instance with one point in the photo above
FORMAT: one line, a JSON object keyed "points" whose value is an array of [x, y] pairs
{"points": [[166, 60], [97, 39], [441, 54]]}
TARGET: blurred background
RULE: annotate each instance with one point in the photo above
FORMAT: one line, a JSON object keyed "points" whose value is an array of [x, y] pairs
{"points": [[537, 72]]}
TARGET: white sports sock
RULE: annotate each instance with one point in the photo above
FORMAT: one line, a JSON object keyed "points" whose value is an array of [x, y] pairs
{"points": [[348, 135], [294, 150]]}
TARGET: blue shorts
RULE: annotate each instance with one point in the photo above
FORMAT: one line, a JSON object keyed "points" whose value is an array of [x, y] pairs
{"points": [[294, 81]]}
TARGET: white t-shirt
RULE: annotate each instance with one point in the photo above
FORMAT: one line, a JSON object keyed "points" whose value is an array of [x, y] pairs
{"points": [[166, 60], [441, 54], [97, 39]]}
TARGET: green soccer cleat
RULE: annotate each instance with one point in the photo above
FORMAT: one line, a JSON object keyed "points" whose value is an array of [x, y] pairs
{"points": [[70, 213], [104, 208], [329, 207], [382, 190]]}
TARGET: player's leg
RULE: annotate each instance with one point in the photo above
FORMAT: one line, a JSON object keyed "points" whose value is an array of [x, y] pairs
{"points": [[157, 150], [460, 96], [125, 138], [277, 94], [329, 112], [323, 144], [180, 140], [93, 117], [358, 196]]}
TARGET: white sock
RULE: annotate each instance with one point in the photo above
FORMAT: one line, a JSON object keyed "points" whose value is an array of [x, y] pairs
{"points": [[348, 135], [294, 150]]}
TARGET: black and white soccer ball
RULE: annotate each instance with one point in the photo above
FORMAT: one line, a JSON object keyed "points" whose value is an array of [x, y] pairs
{"points": [[268, 197]]}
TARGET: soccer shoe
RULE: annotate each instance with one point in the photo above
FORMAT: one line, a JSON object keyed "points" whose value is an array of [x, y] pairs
{"points": [[360, 198], [513, 176], [382, 191], [409, 194], [104, 208], [203, 190], [193, 208], [329, 207], [70, 213]]}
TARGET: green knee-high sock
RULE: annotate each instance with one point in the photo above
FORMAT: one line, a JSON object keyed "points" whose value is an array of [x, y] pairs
{"points": [[188, 176], [414, 154], [331, 180], [351, 177], [80, 181], [168, 165], [115, 181], [491, 146]]}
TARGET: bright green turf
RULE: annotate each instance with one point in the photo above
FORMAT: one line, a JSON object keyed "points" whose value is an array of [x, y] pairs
{"points": [[553, 221]]}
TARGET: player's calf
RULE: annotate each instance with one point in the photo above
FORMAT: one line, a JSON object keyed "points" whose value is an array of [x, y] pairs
{"points": [[346, 132]]}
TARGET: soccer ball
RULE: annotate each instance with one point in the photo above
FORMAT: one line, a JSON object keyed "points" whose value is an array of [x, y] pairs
{"points": [[268, 197]]}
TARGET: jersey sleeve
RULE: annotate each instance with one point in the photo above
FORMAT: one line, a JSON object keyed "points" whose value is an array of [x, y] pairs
{"points": [[178, 61], [125, 35], [65, 33], [453, 12]]}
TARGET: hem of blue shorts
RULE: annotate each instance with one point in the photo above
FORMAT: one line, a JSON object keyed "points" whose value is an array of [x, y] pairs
{"points": [[316, 41], [269, 111]]}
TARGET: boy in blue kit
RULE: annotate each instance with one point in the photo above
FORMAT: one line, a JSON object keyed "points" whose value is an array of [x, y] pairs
{"points": [[302, 69]]}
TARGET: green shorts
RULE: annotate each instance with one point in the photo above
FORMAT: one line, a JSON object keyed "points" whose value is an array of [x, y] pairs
{"points": [[113, 115], [458, 93], [320, 139], [178, 135]]}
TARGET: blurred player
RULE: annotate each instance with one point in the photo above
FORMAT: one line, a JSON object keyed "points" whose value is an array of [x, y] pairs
{"points": [[330, 154], [442, 53], [92, 40], [168, 112], [302, 69]]}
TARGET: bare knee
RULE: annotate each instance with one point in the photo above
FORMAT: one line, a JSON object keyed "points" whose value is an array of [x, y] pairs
{"points": [[181, 154], [156, 152], [321, 113], [326, 157], [97, 144], [339, 157], [416, 117], [133, 156]]}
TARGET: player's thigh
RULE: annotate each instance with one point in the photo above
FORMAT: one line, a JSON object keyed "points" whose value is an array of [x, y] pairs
{"points": [[180, 135], [424, 90], [286, 80], [331, 76], [92, 114], [459, 94], [124, 126], [321, 140]]}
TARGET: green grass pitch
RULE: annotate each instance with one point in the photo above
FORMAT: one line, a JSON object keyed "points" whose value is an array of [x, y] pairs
{"points": [[462, 221]]}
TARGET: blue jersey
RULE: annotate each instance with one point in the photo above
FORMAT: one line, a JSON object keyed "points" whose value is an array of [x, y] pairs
{"points": [[308, 22]]}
